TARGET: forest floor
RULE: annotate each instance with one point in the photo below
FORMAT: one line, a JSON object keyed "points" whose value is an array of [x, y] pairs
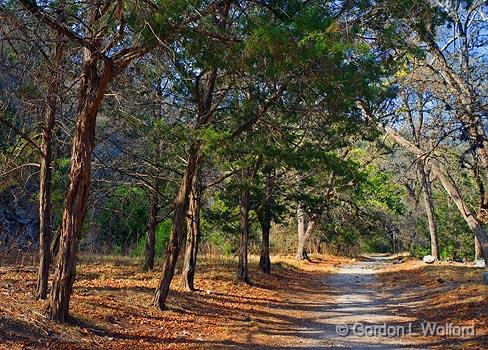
{"points": [[299, 306]]}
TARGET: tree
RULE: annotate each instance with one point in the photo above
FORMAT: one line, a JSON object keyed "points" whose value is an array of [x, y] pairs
{"points": [[105, 55]]}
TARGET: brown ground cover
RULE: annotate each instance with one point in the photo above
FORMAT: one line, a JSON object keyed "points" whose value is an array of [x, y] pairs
{"points": [[112, 309], [443, 293]]}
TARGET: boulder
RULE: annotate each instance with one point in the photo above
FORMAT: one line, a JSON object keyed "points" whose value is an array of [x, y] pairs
{"points": [[485, 277], [428, 259], [480, 263]]}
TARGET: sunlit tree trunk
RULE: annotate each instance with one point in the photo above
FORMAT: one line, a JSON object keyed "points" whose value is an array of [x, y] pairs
{"points": [[302, 233], [450, 188], [478, 255], [429, 209]]}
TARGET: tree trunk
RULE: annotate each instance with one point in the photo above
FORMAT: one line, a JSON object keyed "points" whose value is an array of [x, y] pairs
{"points": [[429, 209], [181, 204], [177, 230], [264, 260], [305, 239], [302, 230], [243, 268], [264, 216], [93, 88], [450, 188], [151, 232], [477, 249], [45, 185], [192, 237]]}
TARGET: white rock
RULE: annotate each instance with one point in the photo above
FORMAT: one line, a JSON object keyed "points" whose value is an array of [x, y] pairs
{"points": [[480, 263], [428, 259]]}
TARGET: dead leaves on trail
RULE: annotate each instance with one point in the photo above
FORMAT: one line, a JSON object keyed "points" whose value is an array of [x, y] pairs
{"points": [[111, 306]]}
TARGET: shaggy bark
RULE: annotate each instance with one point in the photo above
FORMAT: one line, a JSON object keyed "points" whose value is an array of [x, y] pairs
{"points": [[195, 156], [45, 186], [192, 237], [93, 87], [177, 229]]}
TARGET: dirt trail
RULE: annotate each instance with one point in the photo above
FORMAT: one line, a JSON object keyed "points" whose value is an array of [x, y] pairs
{"points": [[312, 320]]}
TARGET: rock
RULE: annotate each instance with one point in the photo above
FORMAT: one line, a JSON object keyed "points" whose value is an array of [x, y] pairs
{"points": [[428, 259], [480, 263], [485, 277]]}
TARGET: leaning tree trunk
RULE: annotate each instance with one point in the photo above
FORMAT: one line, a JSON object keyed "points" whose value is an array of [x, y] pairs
{"points": [[151, 232], [45, 185], [195, 156], [429, 209], [243, 268], [450, 188], [93, 88], [192, 237], [177, 230]]}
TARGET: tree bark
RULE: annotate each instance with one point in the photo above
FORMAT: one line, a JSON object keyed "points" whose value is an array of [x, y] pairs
{"points": [[177, 230], [450, 188], [477, 249], [302, 234], [151, 232], [204, 100], [429, 209], [93, 87], [45, 186], [243, 268], [192, 237]]}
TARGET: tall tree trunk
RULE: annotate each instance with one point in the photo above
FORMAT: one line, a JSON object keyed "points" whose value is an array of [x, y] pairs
{"points": [[45, 185], [192, 237], [151, 232], [243, 268], [450, 188], [302, 229], [429, 209], [93, 88], [177, 230]]}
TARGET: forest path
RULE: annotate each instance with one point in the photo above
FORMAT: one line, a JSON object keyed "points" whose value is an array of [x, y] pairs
{"points": [[353, 297]]}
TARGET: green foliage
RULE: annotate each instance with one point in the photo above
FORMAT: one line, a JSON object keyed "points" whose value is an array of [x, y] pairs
{"points": [[124, 217], [163, 230]]}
